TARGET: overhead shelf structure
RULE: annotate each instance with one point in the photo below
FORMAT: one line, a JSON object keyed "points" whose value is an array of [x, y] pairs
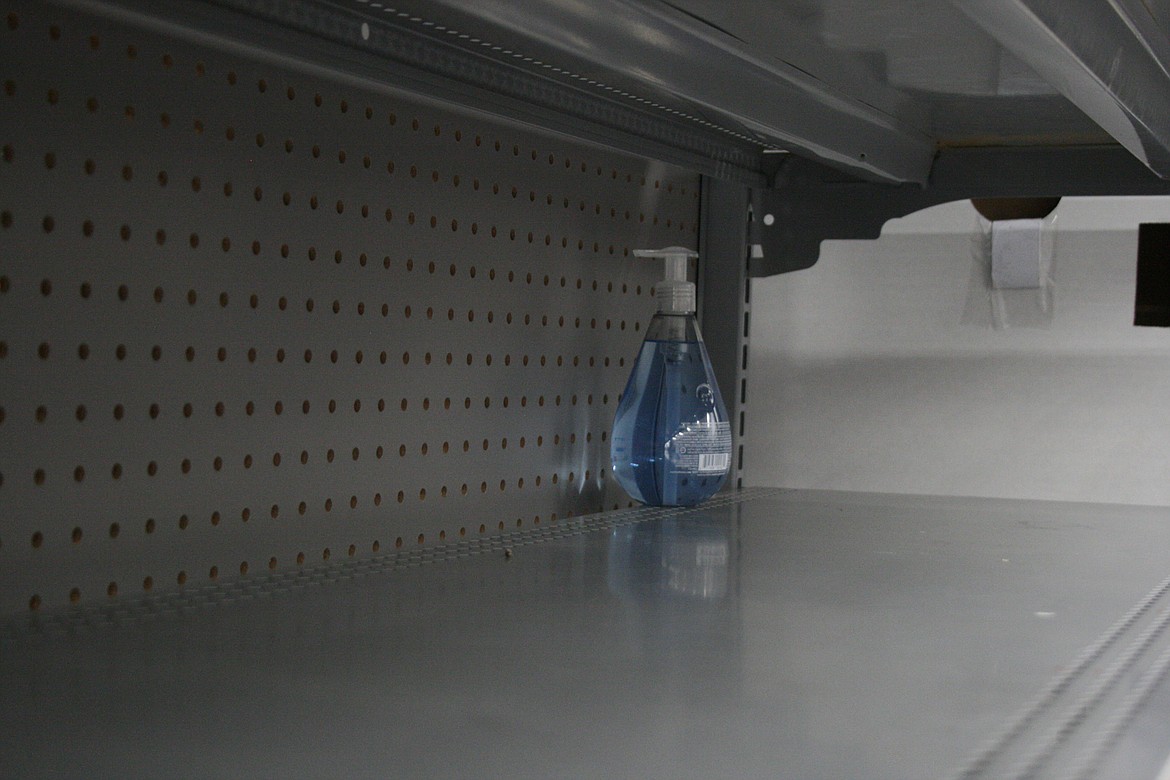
{"points": [[355, 278], [888, 106]]}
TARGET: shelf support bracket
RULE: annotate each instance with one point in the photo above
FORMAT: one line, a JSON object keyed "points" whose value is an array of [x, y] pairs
{"points": [[809, 203]]}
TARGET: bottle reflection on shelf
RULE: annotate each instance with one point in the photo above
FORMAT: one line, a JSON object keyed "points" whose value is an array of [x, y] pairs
{"points": [[688, 557], [675, 588]]}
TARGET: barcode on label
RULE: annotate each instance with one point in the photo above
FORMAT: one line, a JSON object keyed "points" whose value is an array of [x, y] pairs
{"points": [[714, 461]]}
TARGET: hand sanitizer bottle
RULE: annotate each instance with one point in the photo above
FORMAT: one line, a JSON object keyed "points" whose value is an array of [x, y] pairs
{"points": [[671, 443]]}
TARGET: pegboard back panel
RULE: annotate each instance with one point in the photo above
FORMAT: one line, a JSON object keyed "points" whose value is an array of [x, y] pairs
{"points": [[251, 318]]}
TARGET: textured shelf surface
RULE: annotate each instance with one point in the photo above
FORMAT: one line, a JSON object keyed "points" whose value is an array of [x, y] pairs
{"points": [[772, 633]]}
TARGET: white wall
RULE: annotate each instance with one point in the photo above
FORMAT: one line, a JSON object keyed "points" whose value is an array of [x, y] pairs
{"points": [[892, 366]]}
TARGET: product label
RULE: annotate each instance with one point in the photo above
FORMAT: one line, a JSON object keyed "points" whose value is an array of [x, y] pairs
{"points": [[700, 448]]}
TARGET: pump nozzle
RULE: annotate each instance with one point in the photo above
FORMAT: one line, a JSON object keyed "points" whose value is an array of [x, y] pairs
{"points": [[675, 294]]}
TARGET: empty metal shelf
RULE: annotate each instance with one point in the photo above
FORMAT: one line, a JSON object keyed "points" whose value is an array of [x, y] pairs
{"points": [[770, 633]]}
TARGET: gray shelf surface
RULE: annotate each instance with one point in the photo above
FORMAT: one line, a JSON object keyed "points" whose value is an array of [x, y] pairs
{"points": [[771, 633]]}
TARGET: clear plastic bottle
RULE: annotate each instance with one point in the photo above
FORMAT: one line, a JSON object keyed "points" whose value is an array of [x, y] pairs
{"points": [[671, 442]]}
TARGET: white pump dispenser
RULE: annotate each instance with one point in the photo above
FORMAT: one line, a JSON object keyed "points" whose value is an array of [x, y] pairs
{"points": [[675, 294]]}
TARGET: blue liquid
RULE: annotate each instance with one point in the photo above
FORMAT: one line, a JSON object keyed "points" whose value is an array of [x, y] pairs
{"points": [[671, 441]]}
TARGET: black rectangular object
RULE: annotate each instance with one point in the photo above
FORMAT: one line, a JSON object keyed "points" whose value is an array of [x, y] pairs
{"points": [[1152, 300]]}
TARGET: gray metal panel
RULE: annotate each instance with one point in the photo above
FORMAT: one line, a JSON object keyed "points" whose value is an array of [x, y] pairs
{"points": [[772, 633], [1111, 59], [661, 50], [251, 316], [923, 61]]}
